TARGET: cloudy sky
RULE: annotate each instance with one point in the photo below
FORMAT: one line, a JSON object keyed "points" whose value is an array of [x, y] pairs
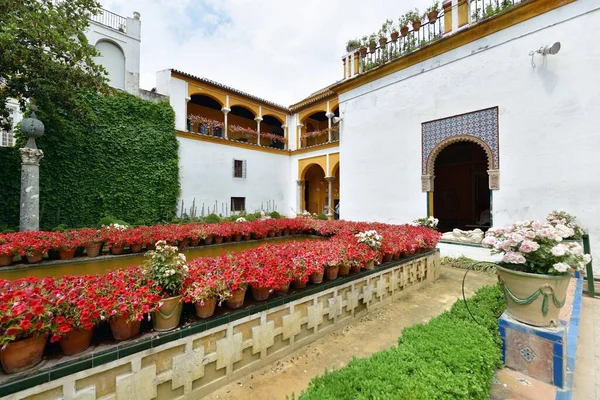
{"points": [[281, 50]]}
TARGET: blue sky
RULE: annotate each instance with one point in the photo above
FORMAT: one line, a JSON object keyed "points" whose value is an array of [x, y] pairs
{"points": [[281, 50]]}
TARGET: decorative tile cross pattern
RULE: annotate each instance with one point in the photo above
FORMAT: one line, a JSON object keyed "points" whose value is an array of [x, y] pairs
{"points": [[481, 124], [528, 354]]}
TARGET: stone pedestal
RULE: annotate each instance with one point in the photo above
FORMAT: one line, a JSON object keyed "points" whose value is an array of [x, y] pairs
{"points": [[30, 189], [540, 353]]}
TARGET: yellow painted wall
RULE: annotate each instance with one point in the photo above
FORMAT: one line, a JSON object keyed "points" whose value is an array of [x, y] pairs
{"points": [[334, 160]]}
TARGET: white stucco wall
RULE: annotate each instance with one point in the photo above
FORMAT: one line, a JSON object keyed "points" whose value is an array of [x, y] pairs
{"points": [[177, 90], [206, 174], [128, 42], [547, 116]]}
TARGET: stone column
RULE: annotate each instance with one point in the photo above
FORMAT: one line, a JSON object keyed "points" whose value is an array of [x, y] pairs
{"points": [[258, 121], [329, 115], [225, 112], [299, 186], [30, 174], [330, 213], [285, 135]]}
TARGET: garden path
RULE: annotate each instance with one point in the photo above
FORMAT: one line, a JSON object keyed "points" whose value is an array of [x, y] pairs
{"points": [[359, 339]]}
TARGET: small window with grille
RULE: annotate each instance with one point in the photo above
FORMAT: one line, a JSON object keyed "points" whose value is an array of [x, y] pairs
{"points": [[239, 168], [238, 204]]}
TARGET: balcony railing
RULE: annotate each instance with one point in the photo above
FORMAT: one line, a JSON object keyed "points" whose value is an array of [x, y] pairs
{"points": [[316, 138], [248, 135], [365, 59], [111, 20]]}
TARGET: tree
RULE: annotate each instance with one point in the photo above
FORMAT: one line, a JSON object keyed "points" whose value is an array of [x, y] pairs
{"points": [[45, 56]]}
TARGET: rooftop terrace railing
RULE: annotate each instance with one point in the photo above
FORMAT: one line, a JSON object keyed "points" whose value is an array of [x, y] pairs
{"points": [[111, 20]]}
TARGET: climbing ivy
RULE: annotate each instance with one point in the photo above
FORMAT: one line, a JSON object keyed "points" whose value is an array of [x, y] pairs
{"points": [[10, 180], [119, 161]]}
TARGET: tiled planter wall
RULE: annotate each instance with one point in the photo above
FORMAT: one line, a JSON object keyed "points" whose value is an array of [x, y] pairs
{"points": [[185, 364]]}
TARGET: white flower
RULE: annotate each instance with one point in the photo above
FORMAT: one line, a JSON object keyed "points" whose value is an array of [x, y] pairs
{"points": [[241, 219], [182, 256], [561, 267], [559, 250]]}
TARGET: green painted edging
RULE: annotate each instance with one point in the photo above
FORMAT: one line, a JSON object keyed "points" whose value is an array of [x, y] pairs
{"points": [[119, 351]]}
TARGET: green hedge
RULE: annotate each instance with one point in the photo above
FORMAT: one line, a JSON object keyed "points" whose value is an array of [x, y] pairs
{"points": [[10, 189], [450, 357], [118, 160]]}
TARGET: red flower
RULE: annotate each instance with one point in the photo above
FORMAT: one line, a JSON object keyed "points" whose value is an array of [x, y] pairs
{"points": [[25, 324], [64, 328]]}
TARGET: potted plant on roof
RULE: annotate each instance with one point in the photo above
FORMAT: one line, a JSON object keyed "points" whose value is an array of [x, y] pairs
{"points": [[166, 271], [26, 318], [535, 269], [372, 43], [395, 34], [415, 19], [352, 44], [383, 35], [433, 11], [403, 21], [364, 43]]}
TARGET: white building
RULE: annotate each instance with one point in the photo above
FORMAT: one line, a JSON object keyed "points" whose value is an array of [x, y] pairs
{"points": [[459, 120]]}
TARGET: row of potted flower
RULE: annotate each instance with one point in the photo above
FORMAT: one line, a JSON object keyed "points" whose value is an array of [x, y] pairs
{"points": [[414, 18], [67, 310], [65, 245]]}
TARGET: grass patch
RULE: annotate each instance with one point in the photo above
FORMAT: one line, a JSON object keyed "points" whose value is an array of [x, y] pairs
{"points": [[463, 262], [450, 357]]}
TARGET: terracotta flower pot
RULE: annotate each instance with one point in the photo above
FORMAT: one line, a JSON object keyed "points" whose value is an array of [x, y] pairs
{"points": [[363, 51], [396, 256], [135, 248], [123, 330], [277, 233], [382, 42], [344, 270], [283, 289], [416, 25], [387, 257], [167, 316], [76, 342], [271, 234], [23, 354], [34, 257], [286, 232], [355, 268], [432, 16], [237, 298], [331, 272], [206, 308], [183, 244], [150, 246], [5, 260], [66, 254], [116, 250], [237, 237], [395, 36], [208, 240], [372, 46], [93, 249], [297, 284], [260, 293], [370, 264], [316, 277], [227, 239], [218, 239], [247, 237], [195, 242], [531, 298], [404, 30]]}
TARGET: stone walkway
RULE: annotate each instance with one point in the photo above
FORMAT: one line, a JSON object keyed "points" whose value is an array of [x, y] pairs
{"points": [[586, 382], [377, 331]]}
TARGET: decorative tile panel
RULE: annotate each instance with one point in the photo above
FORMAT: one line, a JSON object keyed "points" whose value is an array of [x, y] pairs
{"points": [[528, 354], [481, 124]]}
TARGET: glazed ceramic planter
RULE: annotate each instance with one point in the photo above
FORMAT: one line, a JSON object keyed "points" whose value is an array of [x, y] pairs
{"points": [[76, 342], [23, 354], [167, 316], [206, 308], [123, 330], [532, 298]]}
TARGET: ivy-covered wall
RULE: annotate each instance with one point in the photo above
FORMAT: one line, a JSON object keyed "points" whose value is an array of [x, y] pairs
{"points": [[119, 160]]}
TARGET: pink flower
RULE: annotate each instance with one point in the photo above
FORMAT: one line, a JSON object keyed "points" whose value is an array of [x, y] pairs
{"points": [[528, 246]]}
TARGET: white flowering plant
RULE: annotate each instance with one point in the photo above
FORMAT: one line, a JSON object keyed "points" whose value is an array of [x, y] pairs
{"points": [[241, 219], [370, 238], [537, 247], [428, 222], [564, 218], [116, 227], [166, 269]]}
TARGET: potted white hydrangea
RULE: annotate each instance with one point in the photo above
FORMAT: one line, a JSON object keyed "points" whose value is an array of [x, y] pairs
{"points": [[429, 222], [536, 267]]}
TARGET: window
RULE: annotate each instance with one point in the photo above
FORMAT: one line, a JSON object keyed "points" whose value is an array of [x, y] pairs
{"points": [[238, 204], [7, 139], [239, 168]]}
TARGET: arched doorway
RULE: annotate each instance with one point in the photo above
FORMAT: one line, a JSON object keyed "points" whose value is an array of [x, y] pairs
{"points": [[112, 59], [462, 196], [315, 190]]}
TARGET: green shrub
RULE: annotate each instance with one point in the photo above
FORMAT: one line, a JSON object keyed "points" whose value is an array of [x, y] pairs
{"points": [[275, 214], [450, 357], [251, 217], [109, 220], [212, 219], [322, 217], [60, 228]]}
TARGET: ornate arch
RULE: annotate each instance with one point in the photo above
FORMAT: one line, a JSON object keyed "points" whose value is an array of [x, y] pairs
{"points": [[479, 127]]}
